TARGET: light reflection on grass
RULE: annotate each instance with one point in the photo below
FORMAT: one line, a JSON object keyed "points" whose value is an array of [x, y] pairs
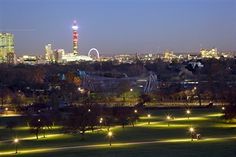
{"points": [[191, 119], [214, 115]]}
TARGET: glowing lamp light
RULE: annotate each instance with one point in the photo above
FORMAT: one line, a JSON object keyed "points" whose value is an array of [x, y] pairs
{"points": [[191, 130], [168, 117], [16, 140], [188, 111], [135, 111], [110, 134], [101, 120], [223, 108], [149, 116]]}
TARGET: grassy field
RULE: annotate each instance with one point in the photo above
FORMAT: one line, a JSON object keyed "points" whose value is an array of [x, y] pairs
{"points": [[156, 139]]}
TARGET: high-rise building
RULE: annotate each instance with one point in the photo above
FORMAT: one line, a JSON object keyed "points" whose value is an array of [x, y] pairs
{"points": [[49, 57], [75, 38], [58, 55], [7, 53]]}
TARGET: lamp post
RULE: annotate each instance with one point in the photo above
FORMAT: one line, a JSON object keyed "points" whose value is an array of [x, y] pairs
{"points": [[110, 137], [188, 112], [6, 110], [191, 130], [168, 120], [16, 140], [149, 116], [101, 121]]}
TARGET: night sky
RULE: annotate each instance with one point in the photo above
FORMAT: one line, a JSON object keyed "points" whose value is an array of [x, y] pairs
{"points": [[120, 26]]}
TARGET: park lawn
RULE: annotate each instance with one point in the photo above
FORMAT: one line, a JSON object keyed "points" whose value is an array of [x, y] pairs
{"points": [[206, 121], [188, 149]]}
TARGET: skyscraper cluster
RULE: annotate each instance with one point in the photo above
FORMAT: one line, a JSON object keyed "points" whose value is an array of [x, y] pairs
{"points": [[60, 56]]}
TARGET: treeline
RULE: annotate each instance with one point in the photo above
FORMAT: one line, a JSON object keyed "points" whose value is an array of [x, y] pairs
{"points": [[83, 118]]}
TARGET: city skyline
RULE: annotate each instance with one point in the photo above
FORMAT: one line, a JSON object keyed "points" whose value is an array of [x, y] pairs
{"points": [[120, 26]]}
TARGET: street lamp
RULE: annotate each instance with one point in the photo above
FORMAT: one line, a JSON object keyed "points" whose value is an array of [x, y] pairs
{"points": [[149, 116], [188, 112], [191, 130], [131, 89], [168, 120], [89, 110], [223, 108], [101, 120], [16, 140], [110, 137], [135, 111], [6, 109]]}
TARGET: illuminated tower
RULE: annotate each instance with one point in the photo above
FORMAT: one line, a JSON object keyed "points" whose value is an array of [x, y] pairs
{"points": [[75, 38]]}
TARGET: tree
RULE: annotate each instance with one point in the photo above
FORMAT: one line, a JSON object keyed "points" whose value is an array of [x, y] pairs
{"points": [[122, 115], [40, 123], [18, 99], [123, 87], [35, 126], [5, 95], [80, 119], [230, 111], [143, 99]]}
